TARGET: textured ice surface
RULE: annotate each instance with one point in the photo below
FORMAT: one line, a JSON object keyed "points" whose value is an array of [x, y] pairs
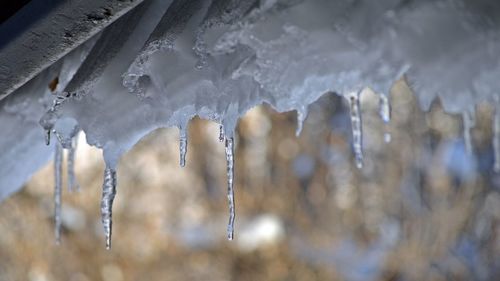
{"points": [[170, 60], [217, 59]]}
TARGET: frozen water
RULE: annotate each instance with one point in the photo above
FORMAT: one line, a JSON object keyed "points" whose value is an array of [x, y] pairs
{"points": [[469, 120], [221, 133], [230, 186], [72, 182], [58, 155], [183, 140], [356, 127], [217, 59], [385, 114], [496, 139], [108, 196]]}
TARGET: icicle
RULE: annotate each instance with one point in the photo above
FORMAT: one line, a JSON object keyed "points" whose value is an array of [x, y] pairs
{"points": [[50, 117], [301, 116], [357, 132], [108, 195], [385, 114], [47, 137], [58, 155], [468, 120], [221, 133], [72, 183], [496, 139], [230, 183], [183, 139]]}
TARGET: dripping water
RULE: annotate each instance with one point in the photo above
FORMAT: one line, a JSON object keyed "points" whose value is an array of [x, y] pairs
{"points": [[469, 122], [230, 186], [58, 155], [356, 123], [182, 146], [72, 183], [496, 139], [108, 195], [385, 114]]}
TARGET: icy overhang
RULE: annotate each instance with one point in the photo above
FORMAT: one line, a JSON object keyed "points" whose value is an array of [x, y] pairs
{"points": [[167, 61]]}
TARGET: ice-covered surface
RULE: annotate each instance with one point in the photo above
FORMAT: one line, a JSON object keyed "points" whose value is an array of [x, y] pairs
{"points": [[170, 60], [217, 59]]}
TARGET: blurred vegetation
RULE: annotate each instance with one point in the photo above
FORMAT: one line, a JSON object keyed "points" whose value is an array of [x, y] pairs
{"points": [[420, 209]]}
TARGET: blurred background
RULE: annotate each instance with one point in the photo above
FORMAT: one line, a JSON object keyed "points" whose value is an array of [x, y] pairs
{"points": [[421, 208]]}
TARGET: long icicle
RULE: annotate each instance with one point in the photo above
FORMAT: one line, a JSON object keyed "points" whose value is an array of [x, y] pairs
{"points": [[72, 182], [183, 139], [356, 125], [58, 155], [230, 186], [496, 139], [108, 195], [385, 114], [468, 120]]}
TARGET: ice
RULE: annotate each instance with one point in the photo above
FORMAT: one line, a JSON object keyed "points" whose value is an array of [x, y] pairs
{"points": [[385, 114], [72, 182], [356, 127], [105, 49], [301, 116], [58, 155], [108, 196], [183, 140], [496, 139], [230, 186], [216, 59], [469, 121], [221, 133]]}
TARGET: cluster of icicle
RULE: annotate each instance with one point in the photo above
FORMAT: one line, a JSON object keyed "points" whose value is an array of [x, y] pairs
{"points": [[167, 61]]}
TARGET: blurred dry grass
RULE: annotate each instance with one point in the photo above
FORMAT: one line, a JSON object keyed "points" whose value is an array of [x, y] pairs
{"points": [[416, 211]]}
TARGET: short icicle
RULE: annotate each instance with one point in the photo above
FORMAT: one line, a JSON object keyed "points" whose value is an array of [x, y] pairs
{"points": [[183, 139], [468, 119], [356, 124], [301, 116], [385, 114], [72, 183], [230, 185], [48, 119], [108, 195], [58, 158], [496, 139]]}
